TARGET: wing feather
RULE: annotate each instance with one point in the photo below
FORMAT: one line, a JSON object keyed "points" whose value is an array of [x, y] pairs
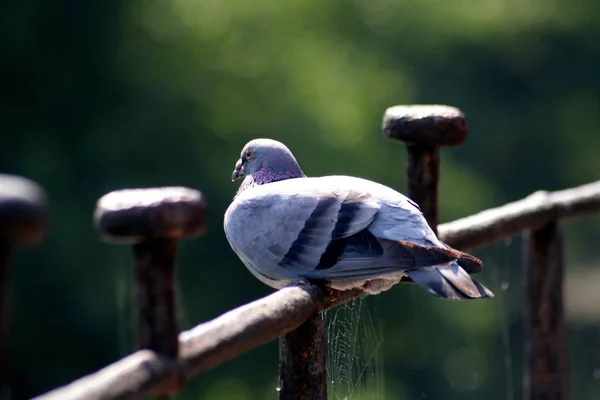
{"points": [[337, 215]]}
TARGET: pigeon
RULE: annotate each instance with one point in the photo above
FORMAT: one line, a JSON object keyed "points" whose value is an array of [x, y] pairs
{"points": [[341, 231]]}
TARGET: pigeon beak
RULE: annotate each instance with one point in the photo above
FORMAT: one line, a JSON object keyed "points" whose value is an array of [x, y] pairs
{"points": [[237, 172]]}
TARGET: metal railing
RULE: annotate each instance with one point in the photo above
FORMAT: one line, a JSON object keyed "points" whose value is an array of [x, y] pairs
{"points": [[152, 219]]}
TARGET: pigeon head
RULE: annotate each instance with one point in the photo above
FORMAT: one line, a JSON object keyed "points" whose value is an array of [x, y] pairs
{"points": [[266, 160]]}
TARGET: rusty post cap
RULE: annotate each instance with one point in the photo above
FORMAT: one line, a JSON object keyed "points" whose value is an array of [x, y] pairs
{"points": [[22, 210], [133, 215], [425, 125]]}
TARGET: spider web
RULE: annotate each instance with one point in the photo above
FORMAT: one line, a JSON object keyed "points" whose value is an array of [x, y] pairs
{"points": [[355, 367]]}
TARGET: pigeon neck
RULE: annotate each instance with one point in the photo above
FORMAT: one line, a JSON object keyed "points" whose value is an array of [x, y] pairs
{"points": [[264, 177]]}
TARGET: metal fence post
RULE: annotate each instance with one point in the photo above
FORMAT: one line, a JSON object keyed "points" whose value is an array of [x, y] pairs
{"points": [[546, 363], [22, 221], [424, 128], [152, 220], [303, 362]]}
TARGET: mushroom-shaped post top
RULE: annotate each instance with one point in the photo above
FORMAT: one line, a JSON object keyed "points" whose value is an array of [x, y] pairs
{"points": [[134, 215], [433, 125], [22, 210]]}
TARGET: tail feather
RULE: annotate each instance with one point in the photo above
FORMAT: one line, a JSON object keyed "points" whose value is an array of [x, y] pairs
{"points": [[449, 282], [459, 278], [431, 280]]}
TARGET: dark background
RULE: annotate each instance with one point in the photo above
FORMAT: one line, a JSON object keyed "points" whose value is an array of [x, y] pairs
{"points": [[98, 96]]}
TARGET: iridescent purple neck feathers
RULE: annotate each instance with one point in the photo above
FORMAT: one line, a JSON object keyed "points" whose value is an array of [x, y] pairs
{"points": [[265, 176]]}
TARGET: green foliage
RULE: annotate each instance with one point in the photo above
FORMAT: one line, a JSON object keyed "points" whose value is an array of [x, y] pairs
{"points": [[105, 95]]}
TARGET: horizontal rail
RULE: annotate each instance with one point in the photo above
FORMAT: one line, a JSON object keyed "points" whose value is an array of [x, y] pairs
{"points": [[204, 346], [249, 326], [534, 211]]}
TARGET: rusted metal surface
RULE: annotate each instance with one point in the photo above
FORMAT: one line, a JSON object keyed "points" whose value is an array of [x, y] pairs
{"points": [[533, 212], [157, 325], [433, 125], [546, 361], [152, 219], [201, 348], [303, 362], [134, 215], [423, 171], [424, 128]]}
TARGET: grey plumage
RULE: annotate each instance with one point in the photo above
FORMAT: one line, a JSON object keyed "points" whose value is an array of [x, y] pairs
{"points": [[345, 231]]}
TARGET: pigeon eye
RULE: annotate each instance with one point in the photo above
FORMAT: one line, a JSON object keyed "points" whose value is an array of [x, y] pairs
{"points": [[248, 154]]}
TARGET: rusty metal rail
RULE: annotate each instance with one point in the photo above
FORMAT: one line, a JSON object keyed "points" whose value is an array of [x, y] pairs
{"points": [[259, 322], [164, 359]]}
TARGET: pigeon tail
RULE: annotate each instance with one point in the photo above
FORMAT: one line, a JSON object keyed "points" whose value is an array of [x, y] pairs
{"points": [[449, 282]]}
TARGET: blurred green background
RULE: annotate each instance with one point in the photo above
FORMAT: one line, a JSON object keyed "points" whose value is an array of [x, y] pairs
{"points": [[98, 96]]}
